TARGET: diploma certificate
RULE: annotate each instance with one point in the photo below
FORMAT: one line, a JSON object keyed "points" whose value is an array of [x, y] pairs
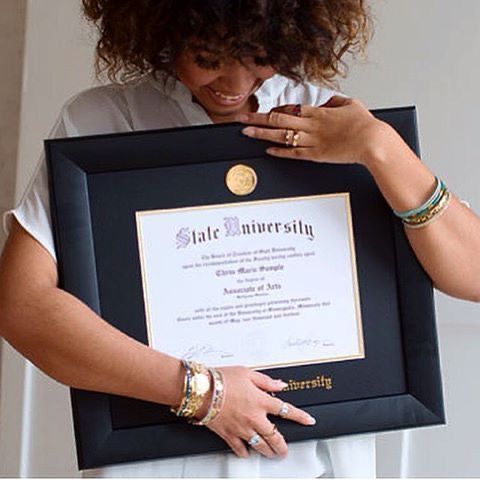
{"points": [[152, 234], [264, 283]]}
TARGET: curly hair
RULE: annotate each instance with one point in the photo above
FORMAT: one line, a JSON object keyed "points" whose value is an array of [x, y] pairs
{"points": [[300, 39]]}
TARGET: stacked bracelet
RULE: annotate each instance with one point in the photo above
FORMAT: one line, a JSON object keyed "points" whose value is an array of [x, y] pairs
{"points": [[195, 387], [428, 211], [218, 397]]}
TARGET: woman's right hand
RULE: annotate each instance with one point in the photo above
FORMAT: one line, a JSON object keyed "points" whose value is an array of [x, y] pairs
{"points": [[244, 413]]}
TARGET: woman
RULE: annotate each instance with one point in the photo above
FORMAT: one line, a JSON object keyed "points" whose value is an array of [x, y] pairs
{"points": [[218, 61]]}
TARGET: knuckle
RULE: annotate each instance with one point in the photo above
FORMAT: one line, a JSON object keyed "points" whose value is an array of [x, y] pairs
{"points": [[266, 402], [274, 118]]}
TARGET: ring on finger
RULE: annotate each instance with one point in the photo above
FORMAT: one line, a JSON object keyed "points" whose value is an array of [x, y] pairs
{"points": [[273, 432], [254, 440], [284, 409], [289, 134], [297, 110], [295, 138]]}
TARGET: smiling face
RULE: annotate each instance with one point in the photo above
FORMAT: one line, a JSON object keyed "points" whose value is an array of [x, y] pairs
{"points": [[226, 91]]}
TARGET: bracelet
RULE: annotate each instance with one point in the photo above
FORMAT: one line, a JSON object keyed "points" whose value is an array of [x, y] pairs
{"points": [[186, 390], [425, 216], [432, 200], [195, 387], [428, 211], [441, 208], [217, 401]]}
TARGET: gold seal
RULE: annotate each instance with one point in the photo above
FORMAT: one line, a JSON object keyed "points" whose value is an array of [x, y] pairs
{"points": [[241, 179]]}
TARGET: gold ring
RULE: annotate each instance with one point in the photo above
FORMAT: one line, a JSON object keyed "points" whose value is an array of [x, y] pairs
{"points": [[296, 137], [273, 432], [289, 134]]}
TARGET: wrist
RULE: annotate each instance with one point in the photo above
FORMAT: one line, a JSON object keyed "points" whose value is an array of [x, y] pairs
{"points": [[382, 139]]}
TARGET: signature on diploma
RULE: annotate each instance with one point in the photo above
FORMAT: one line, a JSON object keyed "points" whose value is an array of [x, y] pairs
{"points": [[307, 342], [204, 349]]}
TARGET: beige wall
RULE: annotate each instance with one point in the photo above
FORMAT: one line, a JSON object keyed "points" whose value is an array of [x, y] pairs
{"points": [[12, 30], [12, 33], [58, 64], [36, 434]]}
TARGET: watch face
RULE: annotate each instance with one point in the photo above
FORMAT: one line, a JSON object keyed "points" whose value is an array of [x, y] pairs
{"points": [[201, 383]]}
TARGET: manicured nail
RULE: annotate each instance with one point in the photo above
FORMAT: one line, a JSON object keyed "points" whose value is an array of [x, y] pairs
{"points": [[282, 383], [311, 421], [249, 131]]}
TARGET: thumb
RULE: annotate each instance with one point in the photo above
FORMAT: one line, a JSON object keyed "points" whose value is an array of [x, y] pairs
{"points": [[337, 101], [268, 383]]}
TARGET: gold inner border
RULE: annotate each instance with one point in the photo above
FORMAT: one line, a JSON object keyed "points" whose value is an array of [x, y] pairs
{"points": [[346, 195]]}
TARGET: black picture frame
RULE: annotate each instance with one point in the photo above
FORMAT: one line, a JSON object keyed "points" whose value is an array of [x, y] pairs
{"points": [[96, 185]]}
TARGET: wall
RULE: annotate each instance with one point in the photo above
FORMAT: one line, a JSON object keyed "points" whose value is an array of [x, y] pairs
{"points": [[12, 30], [36, 436], [424, 53]]}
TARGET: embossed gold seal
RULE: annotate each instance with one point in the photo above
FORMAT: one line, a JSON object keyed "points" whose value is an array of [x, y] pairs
{"points": [[241, 179]]}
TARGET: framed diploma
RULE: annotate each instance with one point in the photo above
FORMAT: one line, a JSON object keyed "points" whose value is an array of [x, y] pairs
{"points": [[195, 242]]}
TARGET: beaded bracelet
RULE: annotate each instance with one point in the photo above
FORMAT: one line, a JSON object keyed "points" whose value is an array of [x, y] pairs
{"points": [[217, 401], [428, 211], [433, 215], [439, 186]]}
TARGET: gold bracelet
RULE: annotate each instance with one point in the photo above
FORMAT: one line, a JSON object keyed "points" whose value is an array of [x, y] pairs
{"points": [[196, 386], [186, 390], [217, 401], [432, 215], [426, 215]]}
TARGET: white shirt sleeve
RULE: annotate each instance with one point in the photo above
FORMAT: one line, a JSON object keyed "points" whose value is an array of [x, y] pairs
{"points": [[96, 110], [33, 211]]}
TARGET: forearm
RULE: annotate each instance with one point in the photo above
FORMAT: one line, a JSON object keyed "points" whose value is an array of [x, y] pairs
{"points": [[449, 247], [72, 344]]}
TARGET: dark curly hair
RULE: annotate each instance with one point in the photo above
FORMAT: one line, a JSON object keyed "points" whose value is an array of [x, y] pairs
{"points": [[303, 40]]}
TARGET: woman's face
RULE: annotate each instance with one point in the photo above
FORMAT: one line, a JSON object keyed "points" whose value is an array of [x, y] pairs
{"points": [[224, 92]]}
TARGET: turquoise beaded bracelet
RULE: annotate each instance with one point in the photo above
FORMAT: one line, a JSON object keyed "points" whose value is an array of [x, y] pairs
{"points": [[428, 205]]}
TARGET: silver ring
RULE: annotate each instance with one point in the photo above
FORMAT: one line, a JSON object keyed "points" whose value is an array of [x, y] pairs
{"points": [[283, 412], [254, 440]]}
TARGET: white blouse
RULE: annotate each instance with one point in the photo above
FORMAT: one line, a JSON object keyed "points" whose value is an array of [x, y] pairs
{"points": [[151, 105]]}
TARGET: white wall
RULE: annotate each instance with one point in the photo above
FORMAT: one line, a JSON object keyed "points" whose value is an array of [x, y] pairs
{"points": [[36, 435], [424, 53]]}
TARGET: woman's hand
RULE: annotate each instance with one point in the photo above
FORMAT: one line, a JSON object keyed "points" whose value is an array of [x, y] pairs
{"points": [[341, 131], [245, 410]]}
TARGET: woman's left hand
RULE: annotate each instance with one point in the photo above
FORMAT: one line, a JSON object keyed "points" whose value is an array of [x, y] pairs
{"points": [[340, 131]]}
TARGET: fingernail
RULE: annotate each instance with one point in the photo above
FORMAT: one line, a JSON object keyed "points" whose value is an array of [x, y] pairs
{"points": [[248, 131], [282, 383], [311, 420], [242, 118]]}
